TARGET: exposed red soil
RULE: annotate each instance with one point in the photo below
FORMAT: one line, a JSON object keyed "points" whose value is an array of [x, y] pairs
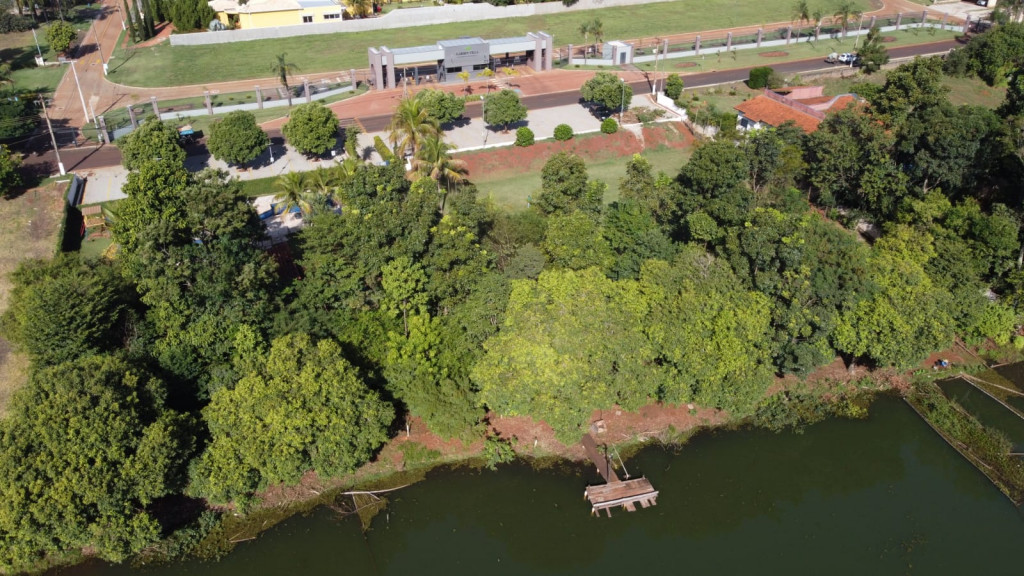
{"points": [[592, 148], [775, 54], [685, 65], [888, 39]]}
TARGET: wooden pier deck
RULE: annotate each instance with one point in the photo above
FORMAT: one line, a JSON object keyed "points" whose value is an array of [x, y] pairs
{"points": [[625, 493]]}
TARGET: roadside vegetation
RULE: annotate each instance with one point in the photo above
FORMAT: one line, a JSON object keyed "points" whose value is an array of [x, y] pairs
{"points": [[196, 364]]}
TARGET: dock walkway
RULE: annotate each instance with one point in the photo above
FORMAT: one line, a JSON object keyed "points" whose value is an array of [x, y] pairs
{"points": [[615, 492]]}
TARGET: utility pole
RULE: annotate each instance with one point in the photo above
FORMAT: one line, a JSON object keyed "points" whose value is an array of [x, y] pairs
{"points": [[60, 165], [36, 38], [99, 48], [80, 95], [654, 85]]}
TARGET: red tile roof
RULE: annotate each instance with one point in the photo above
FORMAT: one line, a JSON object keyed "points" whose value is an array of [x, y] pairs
{"points": [[767, 111]]}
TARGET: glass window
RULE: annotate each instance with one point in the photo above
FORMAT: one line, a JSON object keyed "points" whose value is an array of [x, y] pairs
{"points": [[307, 19]]}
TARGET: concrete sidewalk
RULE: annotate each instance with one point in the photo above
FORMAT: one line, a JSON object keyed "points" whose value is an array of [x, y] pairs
{"points": [[104, 184]]}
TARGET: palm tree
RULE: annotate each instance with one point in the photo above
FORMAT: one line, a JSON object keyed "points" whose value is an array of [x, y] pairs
{"points": [[585, 29], [292, 191], [464, 76], [597, 29], [435, 162], [410, 126], [817, 16], [846, 11], [284, 69], [323, 181], [801, 12]]}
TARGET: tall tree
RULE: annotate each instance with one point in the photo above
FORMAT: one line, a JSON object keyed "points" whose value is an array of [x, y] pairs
{"points": [[503, 108], [558, 368], [411, 125], [154, 141], [65, 309], [608, 91], [435, 162], [292, 191], [10, 176], [284, 69], [304, 408], [564, 186], [845, 12], [311, 128], [237, 139], [86, 448], [873, 55]]}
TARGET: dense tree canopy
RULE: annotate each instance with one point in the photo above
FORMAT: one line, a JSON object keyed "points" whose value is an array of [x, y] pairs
{"points": [[304, 408], [87, 447], [237, 139], [608, 91], [406, 299], [154, 141], [503, 108], [311, 128], [64, 309]]}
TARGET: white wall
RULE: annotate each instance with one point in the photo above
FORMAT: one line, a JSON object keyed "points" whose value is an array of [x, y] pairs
{"points": [[403, 18]]}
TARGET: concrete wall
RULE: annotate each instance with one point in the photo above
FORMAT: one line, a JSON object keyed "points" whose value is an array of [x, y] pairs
{"points": [[401, 18]]}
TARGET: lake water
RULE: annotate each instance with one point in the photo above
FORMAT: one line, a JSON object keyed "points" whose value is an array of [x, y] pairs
{"points": [[883, 495]]}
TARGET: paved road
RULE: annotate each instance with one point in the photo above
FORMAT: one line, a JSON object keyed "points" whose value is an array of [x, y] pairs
{"points": [[86, 158]]}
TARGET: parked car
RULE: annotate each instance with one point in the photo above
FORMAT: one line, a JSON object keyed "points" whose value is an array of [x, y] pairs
{"points": [[846, 58], [832, 58]]}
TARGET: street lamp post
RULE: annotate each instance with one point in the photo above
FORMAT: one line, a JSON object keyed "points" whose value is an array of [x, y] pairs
{"points": [[121, 14], [81, 96], [654, 85], [36, 38], [622, 99], [99, 47]]}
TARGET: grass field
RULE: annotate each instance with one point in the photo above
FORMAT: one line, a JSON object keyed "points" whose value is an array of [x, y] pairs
{"points": [[969, 90], [511, 192], [796, 51], [19, 49], [31, 222], [164, 65]]}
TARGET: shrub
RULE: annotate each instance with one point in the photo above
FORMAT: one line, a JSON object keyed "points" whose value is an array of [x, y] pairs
{"points": [[60, 36], [14, 23], [673, 86], [609, 126], [645, 115], [563, 132], [760, 76], [524, 136]]}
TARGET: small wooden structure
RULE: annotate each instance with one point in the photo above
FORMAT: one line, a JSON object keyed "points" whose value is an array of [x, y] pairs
{"points": [[625, 493]]}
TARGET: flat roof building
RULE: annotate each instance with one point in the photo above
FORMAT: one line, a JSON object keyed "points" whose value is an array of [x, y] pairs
{"points": [[450, 57]]}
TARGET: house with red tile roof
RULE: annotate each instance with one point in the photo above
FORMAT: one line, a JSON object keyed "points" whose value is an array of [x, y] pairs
{"points": [[805, 106]]}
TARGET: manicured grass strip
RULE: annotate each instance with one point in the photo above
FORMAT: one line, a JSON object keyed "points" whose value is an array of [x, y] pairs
{"points": [[510, 192], [164, 65], [796, 51]]}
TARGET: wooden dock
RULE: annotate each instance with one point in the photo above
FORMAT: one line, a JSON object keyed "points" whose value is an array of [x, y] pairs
{"points": [[625, 493]]}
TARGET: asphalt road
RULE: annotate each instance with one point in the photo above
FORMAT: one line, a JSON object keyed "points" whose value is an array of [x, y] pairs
{"points": [[102, 156]]}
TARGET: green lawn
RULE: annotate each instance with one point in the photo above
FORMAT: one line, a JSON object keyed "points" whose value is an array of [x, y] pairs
{"points": [[164, 65], [19, 50], [795, 51], [971, 90], [510, 193]]}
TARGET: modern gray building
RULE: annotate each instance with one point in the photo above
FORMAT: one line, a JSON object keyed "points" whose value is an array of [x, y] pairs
{"points": [[442, 61]]}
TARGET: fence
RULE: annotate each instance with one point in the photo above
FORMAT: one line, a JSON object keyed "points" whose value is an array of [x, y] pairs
{"points": [[696, 44], [122, 122]]}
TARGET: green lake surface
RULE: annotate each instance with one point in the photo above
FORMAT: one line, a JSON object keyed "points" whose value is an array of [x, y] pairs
{"points": [[878, 496]]}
